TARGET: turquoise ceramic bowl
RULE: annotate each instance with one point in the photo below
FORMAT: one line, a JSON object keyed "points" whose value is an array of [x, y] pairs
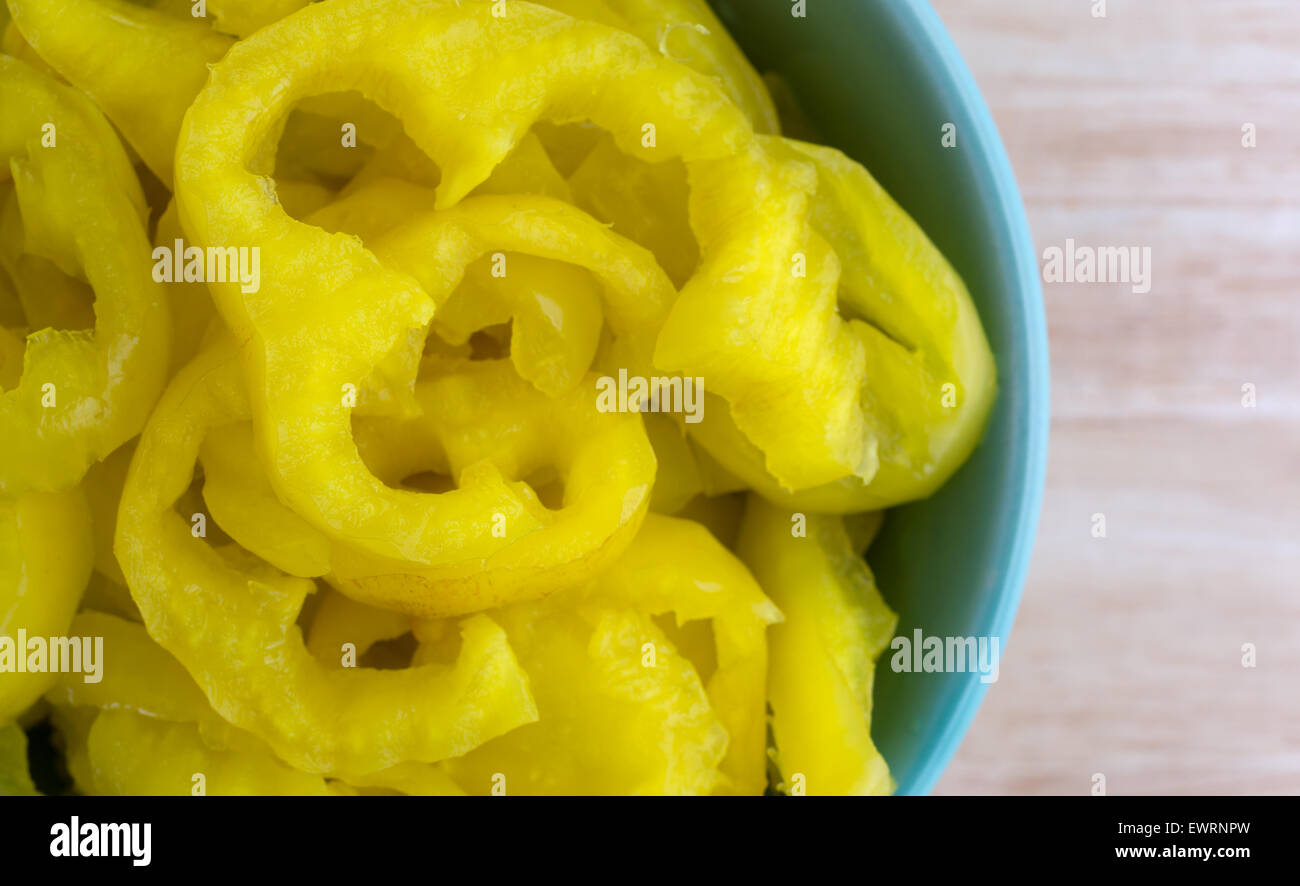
{"points": [[879, 79]]}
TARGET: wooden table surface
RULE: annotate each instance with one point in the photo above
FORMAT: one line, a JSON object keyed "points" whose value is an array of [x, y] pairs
{"points": [[1126, 658]]}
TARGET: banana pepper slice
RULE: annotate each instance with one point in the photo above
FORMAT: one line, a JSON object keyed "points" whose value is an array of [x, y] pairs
{"points": [[145, 728], [930, 378], [147, 700], [609, 724], [231, 622], [82, 393], [46, 554], [142, 66], [823, 655], [686, 31], [758, 320], [128, 754], [559, 253], [677, 566], [488, 429]]}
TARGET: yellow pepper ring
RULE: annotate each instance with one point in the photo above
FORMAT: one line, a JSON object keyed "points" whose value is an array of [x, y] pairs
{"points": [[233, 627], [436, 248], [45, 559], [81, 394], [141, 66], [481, 421], [678, 566]]}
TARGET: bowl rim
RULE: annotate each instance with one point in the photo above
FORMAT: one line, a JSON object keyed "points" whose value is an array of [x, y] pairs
{"points": [[1005, 210]]}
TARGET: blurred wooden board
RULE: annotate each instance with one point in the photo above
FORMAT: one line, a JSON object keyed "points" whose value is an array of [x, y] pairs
{"points": [[1126, 656]]}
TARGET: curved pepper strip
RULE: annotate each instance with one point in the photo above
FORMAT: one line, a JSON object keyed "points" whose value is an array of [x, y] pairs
{"points": [[243, 503], [677, 566], [556, 309], [527, 170], [15, 780], [131, 755], [192, 311], [823, 655], [234, 628], [142, 66], [677, 476], [138, 675], [48, 297], [154, 729], [645, 202], [437, 248], [923, 334], [13, 44], [144, 681], [765, 338], [82, 393], [243, 17], [46, 555], [488, 429], [340, 619], [608, 724], [550, 255], [686, 31]]}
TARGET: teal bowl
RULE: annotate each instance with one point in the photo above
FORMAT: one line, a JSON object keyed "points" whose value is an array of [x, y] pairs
{"points": [[879, 79]]}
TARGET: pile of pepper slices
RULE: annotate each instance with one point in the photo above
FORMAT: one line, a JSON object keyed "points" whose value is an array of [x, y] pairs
{"points": [[363, 529]]}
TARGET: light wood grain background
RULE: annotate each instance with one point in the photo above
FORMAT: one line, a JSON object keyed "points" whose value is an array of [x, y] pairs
{"points": [[1126, 657]]}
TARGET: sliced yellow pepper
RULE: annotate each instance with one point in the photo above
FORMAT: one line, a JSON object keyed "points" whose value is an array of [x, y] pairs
{"points": [[128, 754], [677, 566], [609, 724], [758, 320], [46, 555], [686, 31], [645, 202], [823, 655], [142, 67], [82, 393], [169, 713], [930, 377], [496, 542], [244, 505], [243, 17], [49, 298], [340, 620], [233, 626]]}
